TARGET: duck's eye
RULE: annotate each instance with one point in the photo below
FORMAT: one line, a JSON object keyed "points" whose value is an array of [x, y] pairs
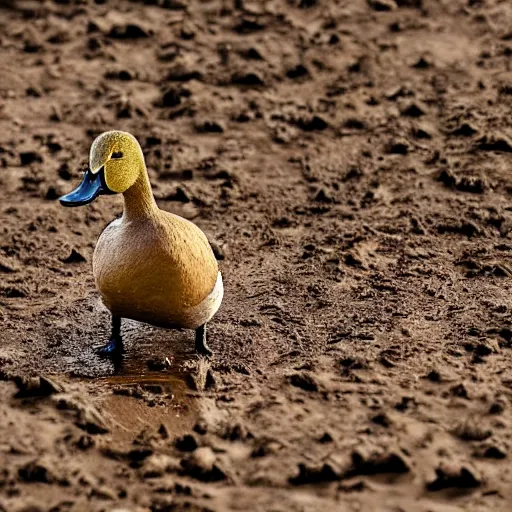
{"points": [[117, 154]]}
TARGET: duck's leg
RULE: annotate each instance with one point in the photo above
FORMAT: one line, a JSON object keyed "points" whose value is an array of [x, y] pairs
{"points": [[114, 346], [201, 345]]}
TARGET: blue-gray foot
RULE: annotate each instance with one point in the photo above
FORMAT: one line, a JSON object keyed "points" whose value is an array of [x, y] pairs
{"points": [[114, 347]]}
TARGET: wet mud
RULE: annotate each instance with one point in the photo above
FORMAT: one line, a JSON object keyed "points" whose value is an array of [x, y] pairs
{"points": [[350, 162]]}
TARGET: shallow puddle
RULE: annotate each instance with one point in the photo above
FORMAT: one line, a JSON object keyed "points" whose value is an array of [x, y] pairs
{"points": [[129, 417], [134, 396]]}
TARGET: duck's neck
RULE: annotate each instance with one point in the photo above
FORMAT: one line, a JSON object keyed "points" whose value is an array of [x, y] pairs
{"points": [[139, 202]]}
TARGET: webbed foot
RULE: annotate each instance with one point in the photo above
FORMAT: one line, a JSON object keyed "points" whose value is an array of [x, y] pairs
{"points": [[113, 348]]}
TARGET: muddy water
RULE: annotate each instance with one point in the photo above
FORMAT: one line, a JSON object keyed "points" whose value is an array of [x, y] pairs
{"points": [[128, 417], [133, 395]]}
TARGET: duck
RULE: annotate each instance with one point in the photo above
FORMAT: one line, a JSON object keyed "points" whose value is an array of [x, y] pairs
{"points": [[149, 265]]}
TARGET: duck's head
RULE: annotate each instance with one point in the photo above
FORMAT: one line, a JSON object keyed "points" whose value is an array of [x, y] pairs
{"points": [[115, 163]]}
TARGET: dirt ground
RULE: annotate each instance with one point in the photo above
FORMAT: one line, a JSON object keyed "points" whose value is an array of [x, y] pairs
{"points": [[350, 161]]}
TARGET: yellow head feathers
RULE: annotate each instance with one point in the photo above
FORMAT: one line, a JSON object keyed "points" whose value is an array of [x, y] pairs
{"points": [[120, 155]]}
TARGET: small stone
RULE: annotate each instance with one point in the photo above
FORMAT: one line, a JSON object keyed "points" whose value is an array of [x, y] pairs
{"points": [[8, 266], [299, 71], [459, 391], [210, 126], [323, 195], [91, 420], [53, 192], [312, 123], [181, 195], [157, 465], [202, 465], [140, 454], [397, 147], [253, 79], [104, 493], [312, 474], [382, 5], [29, 157], [163, 431], [304, 380], [413, 110], [218, 251], [37, 472], [453, 477], [465, 130], [236, 432], [424, 62], [85, 443], [128, 31], [494, 452], [494, 142], [497, 407], [326, 438], [37, 387], [64, 172], [382, 419], [470, 430], [201, 427], [378, 463], [187, 443], [74, 257]]}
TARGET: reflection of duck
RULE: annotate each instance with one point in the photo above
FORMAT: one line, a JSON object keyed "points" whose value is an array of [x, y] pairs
{"points": [[149, 265]]}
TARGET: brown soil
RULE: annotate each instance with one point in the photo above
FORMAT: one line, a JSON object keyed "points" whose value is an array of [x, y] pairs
{"points": [[351, 161]]}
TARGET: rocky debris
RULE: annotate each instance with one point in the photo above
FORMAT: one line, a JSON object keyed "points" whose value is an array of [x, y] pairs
{"points": [[40, 471], [465, 130], [8, 265], [14, 291], [491, 450], [29, 157], [471, 430], [457, 226], [74, 257], [310, 123], [129, 30], [460, 391], [475, 268], [498, 407], [494, 142], [304, 380], [397, 147], [37, 387], [187, 443], [378, 271], [326, 438], [316, 473], [174, 96], [249, 79], [413, 110], [236, 431], [87, 417], [454, 476], [374, 462], [466, 183], [210, 126], [218, 250], [157, 465], [298, 71], [203, 465], [382, 5]]}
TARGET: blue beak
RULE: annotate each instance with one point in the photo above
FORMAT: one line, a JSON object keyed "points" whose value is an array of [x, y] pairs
{"points": [[91, 187]]}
